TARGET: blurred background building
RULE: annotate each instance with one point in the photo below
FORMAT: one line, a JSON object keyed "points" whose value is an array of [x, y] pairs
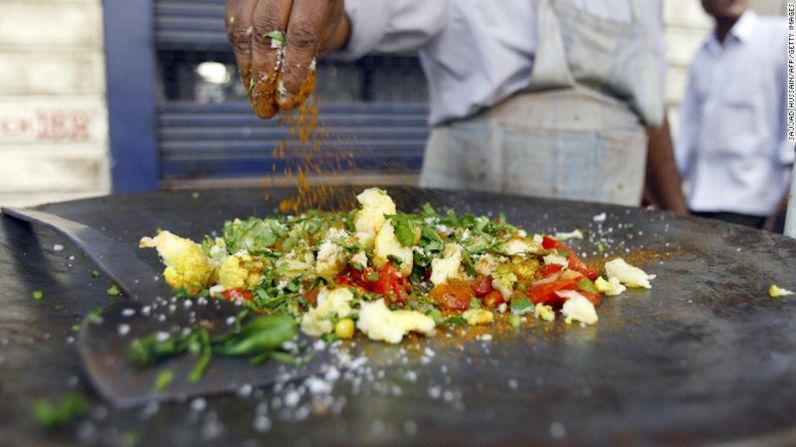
{"points": [[138, 95]]}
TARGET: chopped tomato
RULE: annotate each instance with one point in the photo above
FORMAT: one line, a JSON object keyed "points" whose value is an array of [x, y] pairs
{"points": [[493, 299], [238, 294], [579, 266], [548, 269], [483, 286], [544, 291], [453, 295], [390, 284], [550, 243], [311, 296]]}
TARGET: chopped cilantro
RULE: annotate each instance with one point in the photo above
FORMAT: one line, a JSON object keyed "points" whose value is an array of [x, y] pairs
{"points": [[114, 291], [454, 321], [373, 276], [521, 305], [95, 316], [514, 321], [475, 303], [38, 295], [404, 229], [49, 416], [164, 379], [436, 315], [195, 195], [95, 273]]}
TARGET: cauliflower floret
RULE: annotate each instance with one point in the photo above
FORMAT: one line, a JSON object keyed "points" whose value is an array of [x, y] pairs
{"points": [[475, 317], [544, 312], [503, 280], [318, 320], [331, 256], [387, 245], [187, 267], [577, 308], [447, 267], [627, 274], [240, 270], [378, 322], [611, 287], [369, 220]]}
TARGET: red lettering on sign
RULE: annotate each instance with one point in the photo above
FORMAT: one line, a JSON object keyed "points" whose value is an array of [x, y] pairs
{"points": [[47, 126]]}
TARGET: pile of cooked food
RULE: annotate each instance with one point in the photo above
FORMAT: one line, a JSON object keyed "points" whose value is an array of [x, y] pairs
{"points": [[386, 273]]}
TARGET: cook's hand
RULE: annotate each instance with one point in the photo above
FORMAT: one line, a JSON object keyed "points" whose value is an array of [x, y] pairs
{"points": [[275, 44]]}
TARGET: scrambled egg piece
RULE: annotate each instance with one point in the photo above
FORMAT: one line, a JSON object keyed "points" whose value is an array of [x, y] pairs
{"points": [[556, 259], [240, 270], [519, 246], [776, 292], [627, 274], [577, 308], [475, 317], [388, 245], [187, 267], [331, 259], [318, 320], [447, 267], [611, 287], [375, 205], [544, 312], [378, 322], [503, 280], [575, 234], [486, 265]]}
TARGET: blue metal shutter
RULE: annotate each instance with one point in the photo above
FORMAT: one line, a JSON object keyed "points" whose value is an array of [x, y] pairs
{"points": [[226, 140]]}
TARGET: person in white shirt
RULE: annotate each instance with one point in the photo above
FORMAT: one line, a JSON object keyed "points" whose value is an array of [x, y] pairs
{"points": [[538, 97], [732, 149]]}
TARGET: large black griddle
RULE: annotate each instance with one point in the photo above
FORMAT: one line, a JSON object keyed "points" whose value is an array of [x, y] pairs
{"points": [[704, 357]]}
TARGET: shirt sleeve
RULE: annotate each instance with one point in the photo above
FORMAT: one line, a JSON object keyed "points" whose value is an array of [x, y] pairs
{"points": [[391, 26], [688, 132]]}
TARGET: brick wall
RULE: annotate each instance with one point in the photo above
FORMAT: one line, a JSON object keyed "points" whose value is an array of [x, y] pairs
{"points": [[53, 117]]}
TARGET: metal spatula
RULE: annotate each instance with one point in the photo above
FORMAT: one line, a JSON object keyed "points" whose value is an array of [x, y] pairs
{"points": [[103, 342]]}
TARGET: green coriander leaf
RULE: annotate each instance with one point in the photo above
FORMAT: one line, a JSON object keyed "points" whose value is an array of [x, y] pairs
{"points": [[475, 303], [521, 305], [95, 316], [373, 276], [330, 338], [587, 285], [164, 379], [195, 195], [265, 333], [454, 321], [38, 295], [95, 273], [404, 229], [50, 416], [600, 247], [436, 315], [114, 291]]}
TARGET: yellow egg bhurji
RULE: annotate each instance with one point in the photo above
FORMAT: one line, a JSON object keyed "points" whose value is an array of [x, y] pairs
{"points": [[385, 273]]}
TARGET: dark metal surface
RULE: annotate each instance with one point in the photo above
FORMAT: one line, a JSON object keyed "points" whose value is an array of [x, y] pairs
{"points": [[704, 357], [104, 352]]}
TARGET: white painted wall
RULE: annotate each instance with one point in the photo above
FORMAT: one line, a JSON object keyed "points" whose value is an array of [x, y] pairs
{"points": [[686, 27], [53, 114]]}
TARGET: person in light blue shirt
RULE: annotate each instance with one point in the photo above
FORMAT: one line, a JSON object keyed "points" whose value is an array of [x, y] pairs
{"points": [[732, 149]]}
